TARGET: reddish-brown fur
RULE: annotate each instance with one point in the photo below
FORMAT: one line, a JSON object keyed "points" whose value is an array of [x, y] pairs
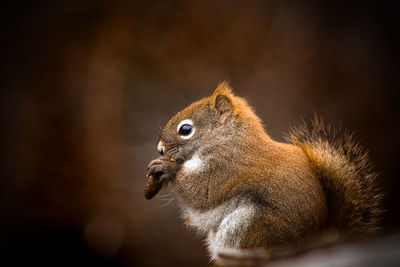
{"points": [[298, 189]]}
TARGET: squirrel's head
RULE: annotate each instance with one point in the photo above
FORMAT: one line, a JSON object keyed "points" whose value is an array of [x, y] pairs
{"points": [[215, 120]]}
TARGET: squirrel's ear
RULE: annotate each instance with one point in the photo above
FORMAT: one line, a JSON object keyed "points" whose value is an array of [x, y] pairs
{"points": [[222, 100]]}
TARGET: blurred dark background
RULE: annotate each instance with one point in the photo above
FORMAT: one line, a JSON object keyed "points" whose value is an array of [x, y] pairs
{"points": [[86, 86]]}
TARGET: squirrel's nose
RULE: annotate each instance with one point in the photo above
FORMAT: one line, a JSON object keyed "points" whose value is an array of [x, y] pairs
{"points": [[160, 147]]}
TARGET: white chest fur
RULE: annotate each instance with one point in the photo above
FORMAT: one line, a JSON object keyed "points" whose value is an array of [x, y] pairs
{"points": [[195, 164], [224, 225]]}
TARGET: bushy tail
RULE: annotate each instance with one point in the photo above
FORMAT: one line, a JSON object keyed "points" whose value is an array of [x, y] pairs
{"points": [[346, 174]]}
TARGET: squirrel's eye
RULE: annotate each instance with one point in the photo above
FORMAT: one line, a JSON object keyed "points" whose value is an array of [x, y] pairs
{"points": [[185, 129]]}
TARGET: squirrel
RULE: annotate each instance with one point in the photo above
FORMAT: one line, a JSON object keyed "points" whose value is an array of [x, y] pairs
{"points": [[243, 190]]}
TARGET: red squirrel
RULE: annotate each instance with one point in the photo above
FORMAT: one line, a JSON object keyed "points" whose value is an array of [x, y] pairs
{"points": [[243, 190]]}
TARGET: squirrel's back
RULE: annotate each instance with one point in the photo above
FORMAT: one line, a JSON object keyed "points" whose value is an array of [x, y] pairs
{"points": [[354, 202]]}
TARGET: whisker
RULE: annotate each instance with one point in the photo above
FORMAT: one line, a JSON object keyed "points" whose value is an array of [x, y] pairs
{"points": [[164, 199], [146, 127], [163, 195], [173, 150], [164, 205], [210, 261]]}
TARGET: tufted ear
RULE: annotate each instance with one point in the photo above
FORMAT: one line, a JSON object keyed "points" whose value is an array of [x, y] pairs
{"points": [[223, 101]]}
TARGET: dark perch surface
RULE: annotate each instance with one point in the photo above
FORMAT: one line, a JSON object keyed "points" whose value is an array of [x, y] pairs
{"points": [[381, 250]]}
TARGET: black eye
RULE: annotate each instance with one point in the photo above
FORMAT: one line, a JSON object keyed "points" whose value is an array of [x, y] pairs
{"points": [[185, 129]]}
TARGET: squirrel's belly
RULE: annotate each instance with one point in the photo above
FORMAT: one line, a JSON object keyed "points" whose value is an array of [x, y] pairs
{"points": [[224, 225], [205, 221]]}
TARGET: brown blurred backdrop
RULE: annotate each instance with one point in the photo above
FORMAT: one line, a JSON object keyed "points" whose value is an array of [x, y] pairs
{"points": [[86, 86]]}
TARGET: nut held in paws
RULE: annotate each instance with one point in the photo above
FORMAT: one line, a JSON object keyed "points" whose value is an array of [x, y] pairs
{"points": [[153, 186]]}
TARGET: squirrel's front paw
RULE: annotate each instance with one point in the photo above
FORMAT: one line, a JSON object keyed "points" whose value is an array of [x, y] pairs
{"points": [[162, 168]]}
